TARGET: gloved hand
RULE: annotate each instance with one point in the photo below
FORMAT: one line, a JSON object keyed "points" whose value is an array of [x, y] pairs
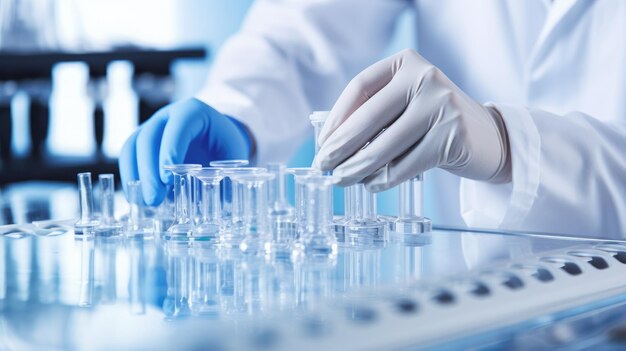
{"points": [[188, 131], [427, 120]]}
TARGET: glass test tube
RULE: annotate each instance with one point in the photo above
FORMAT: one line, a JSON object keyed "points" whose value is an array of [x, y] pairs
{"points": [[318, 118], [232, 212], [283, 226], [299, 175], [137, 223], [318, 239], [108, 224], [183, 197], [226, 187], [410, 216], [279, 206], [255, 219], [87, 221], [365, 226], [209, 227]]}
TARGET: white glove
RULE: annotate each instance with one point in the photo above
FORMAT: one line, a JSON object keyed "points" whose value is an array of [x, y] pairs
{"points": [[426, 120]]}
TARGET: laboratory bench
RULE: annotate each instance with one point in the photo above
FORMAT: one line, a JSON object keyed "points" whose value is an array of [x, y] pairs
{"points": [[448, 289]]}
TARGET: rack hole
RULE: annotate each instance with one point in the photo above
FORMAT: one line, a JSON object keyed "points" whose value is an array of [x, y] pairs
{"points": [[480, 289], [406, 306], [598, 262], [567, 266], [620, 256], [444, 297], [512, 282], [538, 272]]}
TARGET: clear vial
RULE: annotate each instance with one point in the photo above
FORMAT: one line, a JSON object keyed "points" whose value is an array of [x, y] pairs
{"points": [[318, 238], [209, 227], [108, 225], [299, 175], [254, 216], [318, 118], [87, 222], [232, 205], [205, 294], [364, 227], [137, 224], [281, 212], [410, 217], [183, 198]]}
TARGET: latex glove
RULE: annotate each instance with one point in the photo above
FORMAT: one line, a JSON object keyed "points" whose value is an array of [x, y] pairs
{"points": [[429, 123], [188, 131]]}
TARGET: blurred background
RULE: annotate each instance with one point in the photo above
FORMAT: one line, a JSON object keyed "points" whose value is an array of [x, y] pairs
{"points": [[78, 76]]}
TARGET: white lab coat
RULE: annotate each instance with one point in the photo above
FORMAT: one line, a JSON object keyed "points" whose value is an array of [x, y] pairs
{"points": [[556, 70]]}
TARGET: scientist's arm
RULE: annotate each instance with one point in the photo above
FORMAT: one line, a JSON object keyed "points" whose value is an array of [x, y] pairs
{"points": [[293, 57], [289, 58], [539, 171]]}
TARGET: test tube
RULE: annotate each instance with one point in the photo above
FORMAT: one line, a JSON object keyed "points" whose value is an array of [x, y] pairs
{"points": [[183, 198], [318, 118], [232, 213], [279, 206], [364, 227], [204, 291], [137, 224], [209, 227], [255, 219], [87, 221], [108, 224], [281, 212], [318, 239], [299, 175], [410, 216]]}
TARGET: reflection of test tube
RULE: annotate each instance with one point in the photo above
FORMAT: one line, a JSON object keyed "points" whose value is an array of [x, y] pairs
{"points": [[204, 291], [183, 197], [255, 219], [209, 226], [85, 298], [410, 217], [365, 227], [318, 118], [176, 304], [318, 239], [87, 219], [300, 175], [136, 282], [108, 224]]}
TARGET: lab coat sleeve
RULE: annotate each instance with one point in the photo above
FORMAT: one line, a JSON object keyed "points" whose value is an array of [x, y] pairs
{"points": [[292, 57], [569, 177]]}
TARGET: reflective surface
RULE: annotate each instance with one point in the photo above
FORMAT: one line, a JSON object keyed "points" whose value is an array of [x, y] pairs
{"points": [[61, 291]]}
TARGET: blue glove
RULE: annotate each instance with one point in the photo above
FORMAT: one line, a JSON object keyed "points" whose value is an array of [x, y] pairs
{"points": [[188, 131]]}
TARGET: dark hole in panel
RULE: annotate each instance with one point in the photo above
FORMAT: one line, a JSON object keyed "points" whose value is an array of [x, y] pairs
{"points": [[543, 275], [571, 268], [620, 256], [480, 289], [406, 306], [513, 282], [598, 262], [444, 297]]}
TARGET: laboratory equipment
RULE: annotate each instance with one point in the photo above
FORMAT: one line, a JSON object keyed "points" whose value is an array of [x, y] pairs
{"points": [[137, 224], [279, 205], [318, 118], [281, 213], [226, 189], [364, 227], [232, 205], [87, 221], [410, 215], [183, 198], [254, 216], [209, 227], [299, 175], [318, 238], [108, 224]]}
